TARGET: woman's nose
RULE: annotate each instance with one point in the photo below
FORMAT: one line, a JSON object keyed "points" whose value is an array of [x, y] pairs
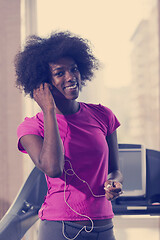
{"points": [[69, 76]]}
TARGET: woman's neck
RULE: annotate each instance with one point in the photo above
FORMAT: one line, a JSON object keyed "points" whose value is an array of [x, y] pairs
{"points": [[66, 107]]}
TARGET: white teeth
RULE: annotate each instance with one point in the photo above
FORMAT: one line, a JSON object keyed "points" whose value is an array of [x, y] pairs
{"points": [[71, 87]]}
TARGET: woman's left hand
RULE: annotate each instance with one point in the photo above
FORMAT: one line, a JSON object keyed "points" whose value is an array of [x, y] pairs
{"points": [[113, 189]]}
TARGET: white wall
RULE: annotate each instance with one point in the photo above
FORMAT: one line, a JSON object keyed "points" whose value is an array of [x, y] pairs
{"points": [[137, 227]]}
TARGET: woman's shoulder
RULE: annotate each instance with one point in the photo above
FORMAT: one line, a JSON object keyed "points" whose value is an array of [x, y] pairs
{"points": [[33, 119], [99, 108], [104, 115], [31, 124]]}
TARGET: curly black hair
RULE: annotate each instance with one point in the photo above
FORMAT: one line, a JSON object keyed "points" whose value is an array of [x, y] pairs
{"points": [[32, 64]]}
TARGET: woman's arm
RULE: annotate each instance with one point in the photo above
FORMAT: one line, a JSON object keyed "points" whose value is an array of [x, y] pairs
{"points": [[113, 185], [113, 166], [47, 154]]}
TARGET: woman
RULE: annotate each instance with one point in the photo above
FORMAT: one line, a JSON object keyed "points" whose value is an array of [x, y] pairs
{"points": [[73, 143]]}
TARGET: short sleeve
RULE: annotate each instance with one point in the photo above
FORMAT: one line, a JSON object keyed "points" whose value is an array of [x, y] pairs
{"points": [[111, 120], [28, 126]]}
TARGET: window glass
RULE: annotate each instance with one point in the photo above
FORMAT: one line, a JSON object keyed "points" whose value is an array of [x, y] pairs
{"points": [[125, 39]]}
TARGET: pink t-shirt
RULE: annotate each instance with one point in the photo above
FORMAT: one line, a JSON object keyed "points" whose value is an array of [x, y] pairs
{"points": [[86, 153]]}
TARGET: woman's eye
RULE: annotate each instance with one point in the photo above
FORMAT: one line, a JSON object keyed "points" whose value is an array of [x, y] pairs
{"points": [[59, 74]]}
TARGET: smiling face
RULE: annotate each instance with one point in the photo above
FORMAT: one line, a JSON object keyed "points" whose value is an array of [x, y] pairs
{"points": [[66, 78]]}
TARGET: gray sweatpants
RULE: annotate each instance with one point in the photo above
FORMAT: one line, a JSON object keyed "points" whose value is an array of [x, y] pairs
{"points": [[53, 230]]}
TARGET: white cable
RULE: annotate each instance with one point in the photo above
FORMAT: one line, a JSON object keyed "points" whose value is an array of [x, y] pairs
{"points": [[71, 172]]}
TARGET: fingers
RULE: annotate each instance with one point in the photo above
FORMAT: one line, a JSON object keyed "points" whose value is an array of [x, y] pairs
{"points": [[43, 96], [110, 196], [113, 183], [42, 87], [113, 189], [43, 90]]}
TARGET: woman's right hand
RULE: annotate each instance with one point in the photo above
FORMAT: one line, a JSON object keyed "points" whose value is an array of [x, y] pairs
{"points": [[47, 152], [44, 97]]}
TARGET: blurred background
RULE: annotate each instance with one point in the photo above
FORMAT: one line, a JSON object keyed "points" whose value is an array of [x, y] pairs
{"points": [[125, 35]]}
